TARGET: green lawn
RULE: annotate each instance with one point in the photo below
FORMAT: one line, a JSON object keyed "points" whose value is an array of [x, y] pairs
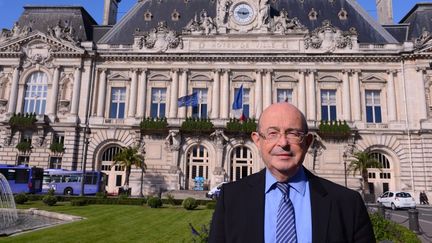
{"points": [[117, 223]]}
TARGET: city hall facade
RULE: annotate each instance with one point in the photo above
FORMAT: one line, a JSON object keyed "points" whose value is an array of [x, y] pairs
{"points": [[92, 85]]}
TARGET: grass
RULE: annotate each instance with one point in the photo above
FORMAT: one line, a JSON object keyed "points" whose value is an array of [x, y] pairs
{"points": [[117, 223]]}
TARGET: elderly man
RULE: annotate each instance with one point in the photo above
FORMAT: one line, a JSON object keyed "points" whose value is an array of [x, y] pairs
{"points": [[285, 202]]}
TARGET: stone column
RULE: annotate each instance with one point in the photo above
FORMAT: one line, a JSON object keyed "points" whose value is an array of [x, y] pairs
{"points": [[76, 91], [142, 94], [225, 98], [302, 92], [174, 94], [346, 96], [391, 101], [258, 93], [216, 94], [356, 96], [267, 89], [183, 92], [102, 93], [311, 96], [133, 93], [52, 111], [14, 90]]}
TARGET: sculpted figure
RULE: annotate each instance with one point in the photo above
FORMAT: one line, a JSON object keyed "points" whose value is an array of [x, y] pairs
{"points": [[264, 12]]}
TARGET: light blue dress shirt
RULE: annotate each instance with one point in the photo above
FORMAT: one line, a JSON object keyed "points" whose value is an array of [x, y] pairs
{"points": [[300, 198]]}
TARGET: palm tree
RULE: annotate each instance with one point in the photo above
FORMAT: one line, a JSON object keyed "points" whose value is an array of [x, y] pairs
{"points": [[127, 157], [361, 162]]}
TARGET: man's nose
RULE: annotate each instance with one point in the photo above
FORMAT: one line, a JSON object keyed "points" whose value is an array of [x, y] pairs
{"points": [[283, 141]]}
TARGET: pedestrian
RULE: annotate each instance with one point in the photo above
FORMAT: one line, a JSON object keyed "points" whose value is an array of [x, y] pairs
{"points": [[285, 202], [422, 199], [426, 199]]}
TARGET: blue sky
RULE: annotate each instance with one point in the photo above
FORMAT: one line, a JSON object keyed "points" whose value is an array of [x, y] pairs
{"points": [[10, 10]]}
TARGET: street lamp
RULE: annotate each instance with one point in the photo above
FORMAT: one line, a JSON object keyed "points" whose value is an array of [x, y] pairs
{"points": [[345, 169]]}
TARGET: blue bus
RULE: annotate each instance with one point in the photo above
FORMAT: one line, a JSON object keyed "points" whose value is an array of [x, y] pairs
{"points": [[68, 182], [23, 179]]}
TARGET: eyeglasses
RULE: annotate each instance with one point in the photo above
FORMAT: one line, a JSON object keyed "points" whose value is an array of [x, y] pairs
{"points": [[294, 137]]}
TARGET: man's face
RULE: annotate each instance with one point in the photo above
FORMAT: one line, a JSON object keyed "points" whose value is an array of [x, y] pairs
{"points": [[283, 156]]}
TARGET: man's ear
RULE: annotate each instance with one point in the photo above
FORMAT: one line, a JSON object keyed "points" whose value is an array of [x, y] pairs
{"points": [[255, 138]]}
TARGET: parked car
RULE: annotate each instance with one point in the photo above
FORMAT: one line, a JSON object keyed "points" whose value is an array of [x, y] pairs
{"points": [[395, 200], [214, 192]]}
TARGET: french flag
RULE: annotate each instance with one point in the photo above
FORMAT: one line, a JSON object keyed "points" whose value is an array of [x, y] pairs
{"points": [[237, 105]]}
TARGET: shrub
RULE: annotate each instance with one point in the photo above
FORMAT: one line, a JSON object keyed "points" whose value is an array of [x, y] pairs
{"points": [[49, 200], [24, 146], [190, 203], [154, 125], [391, 231], [197, 125], [200, 235], [235, 125], [211, 205], [57, 147], [78, 202], [51, 192], [123, 196], [21, 198], [154, 202], [170, 199]]}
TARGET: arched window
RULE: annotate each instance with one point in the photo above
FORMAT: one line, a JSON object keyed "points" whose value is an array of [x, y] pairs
{"points": [[115, 173], [381, 180], [385, 164], [197, 165], [36, 88], [241, 163]]}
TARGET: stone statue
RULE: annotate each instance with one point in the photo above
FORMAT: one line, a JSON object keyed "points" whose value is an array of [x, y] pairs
{"points": [[219, 137], [223, 9], [173, 140], [207, 23], [264, 13]]}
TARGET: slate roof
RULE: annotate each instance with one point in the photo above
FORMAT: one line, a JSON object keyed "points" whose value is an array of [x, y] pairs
{"points": [[42, 17], [368, 29], [418, 18], [398, 31]]}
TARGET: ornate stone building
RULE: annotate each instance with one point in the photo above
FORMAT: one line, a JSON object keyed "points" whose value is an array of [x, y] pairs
{"points": [[91, 85]]}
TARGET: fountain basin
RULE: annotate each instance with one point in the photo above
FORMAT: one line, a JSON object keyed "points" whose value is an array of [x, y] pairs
{"points": [[31, 219]]}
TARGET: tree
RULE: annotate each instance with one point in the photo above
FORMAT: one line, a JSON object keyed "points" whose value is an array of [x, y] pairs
{"points": [[361, 162], [128, 157]]}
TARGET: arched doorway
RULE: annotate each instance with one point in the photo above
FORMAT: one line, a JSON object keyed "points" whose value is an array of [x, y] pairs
{"points": [[197, 165], [115, 173], [381, 181], [241, 163]]}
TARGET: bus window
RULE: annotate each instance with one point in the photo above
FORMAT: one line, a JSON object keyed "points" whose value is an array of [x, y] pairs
{"points": [[46, 179], [66, 178], [75, 178], [90, 179], [56, 178], [21, 176]]}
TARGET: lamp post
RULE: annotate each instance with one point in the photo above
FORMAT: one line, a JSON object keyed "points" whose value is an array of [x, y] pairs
{"points": [[345, 169]]}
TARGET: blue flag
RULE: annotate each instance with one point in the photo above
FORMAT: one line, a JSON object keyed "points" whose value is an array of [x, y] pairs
{"points": [[188, 100], [238, 99]]}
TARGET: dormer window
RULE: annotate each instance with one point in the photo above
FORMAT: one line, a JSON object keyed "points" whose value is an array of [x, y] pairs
{"points": [[313, 15], [148, 16], [343, 14], [175, 16]]}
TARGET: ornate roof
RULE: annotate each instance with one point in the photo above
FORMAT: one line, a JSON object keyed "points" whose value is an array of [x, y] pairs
{"points": [[178, 15]]}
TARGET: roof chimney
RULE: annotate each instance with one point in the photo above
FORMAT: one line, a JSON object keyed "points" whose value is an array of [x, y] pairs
{"points": [[384, 11], [110, 12]]}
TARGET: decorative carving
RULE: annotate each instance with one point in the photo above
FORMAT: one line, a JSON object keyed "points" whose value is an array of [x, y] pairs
{"points": [[264, 13], [219, 138], [38, 53], [64, 106], [422, 39], [159, 39], [62, 32], [223, 9], [173, 140], [328, 38], [16, 32], [205, 25], [282, 24], [3, 108]]}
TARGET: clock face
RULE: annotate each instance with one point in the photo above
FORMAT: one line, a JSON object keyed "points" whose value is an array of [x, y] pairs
{"points": [[243, 13]]}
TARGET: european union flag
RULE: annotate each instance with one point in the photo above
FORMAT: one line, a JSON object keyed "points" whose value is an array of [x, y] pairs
{"points": [[188, 100]]}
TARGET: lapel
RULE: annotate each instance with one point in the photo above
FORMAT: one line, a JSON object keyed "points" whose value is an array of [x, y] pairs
{"points": [[320, 208], [255, 206]]}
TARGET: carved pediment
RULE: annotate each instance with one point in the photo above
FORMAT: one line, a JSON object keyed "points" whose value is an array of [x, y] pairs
{"points": [[38, 40], [118, 77], [159, 39], [329, 38], [373, 79], [424, 42]]}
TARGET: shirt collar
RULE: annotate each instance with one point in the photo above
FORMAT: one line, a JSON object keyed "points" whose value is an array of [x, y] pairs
{"points": [[298, 181]]}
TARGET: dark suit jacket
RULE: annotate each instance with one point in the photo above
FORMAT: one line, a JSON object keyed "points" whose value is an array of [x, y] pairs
{"points": [[338, 213]]}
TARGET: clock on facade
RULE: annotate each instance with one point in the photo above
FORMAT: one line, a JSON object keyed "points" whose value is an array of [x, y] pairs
{"points": [[243, 13]]}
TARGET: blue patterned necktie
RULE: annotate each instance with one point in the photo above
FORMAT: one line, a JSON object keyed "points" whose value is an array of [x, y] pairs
{"points": [[285, 224]]}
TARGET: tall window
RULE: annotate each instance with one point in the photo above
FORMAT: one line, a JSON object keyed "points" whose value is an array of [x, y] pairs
{"points": [[200, 111], [284, 95], [197, 164], [55, 162], [158, 102], [373, 106], [241, 163], [328, 105], [246, 101], [118, 100], [35, 93]]}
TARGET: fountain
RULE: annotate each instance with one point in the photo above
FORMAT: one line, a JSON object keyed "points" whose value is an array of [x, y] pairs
{"points": [[8, 212], [14, 220]]}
